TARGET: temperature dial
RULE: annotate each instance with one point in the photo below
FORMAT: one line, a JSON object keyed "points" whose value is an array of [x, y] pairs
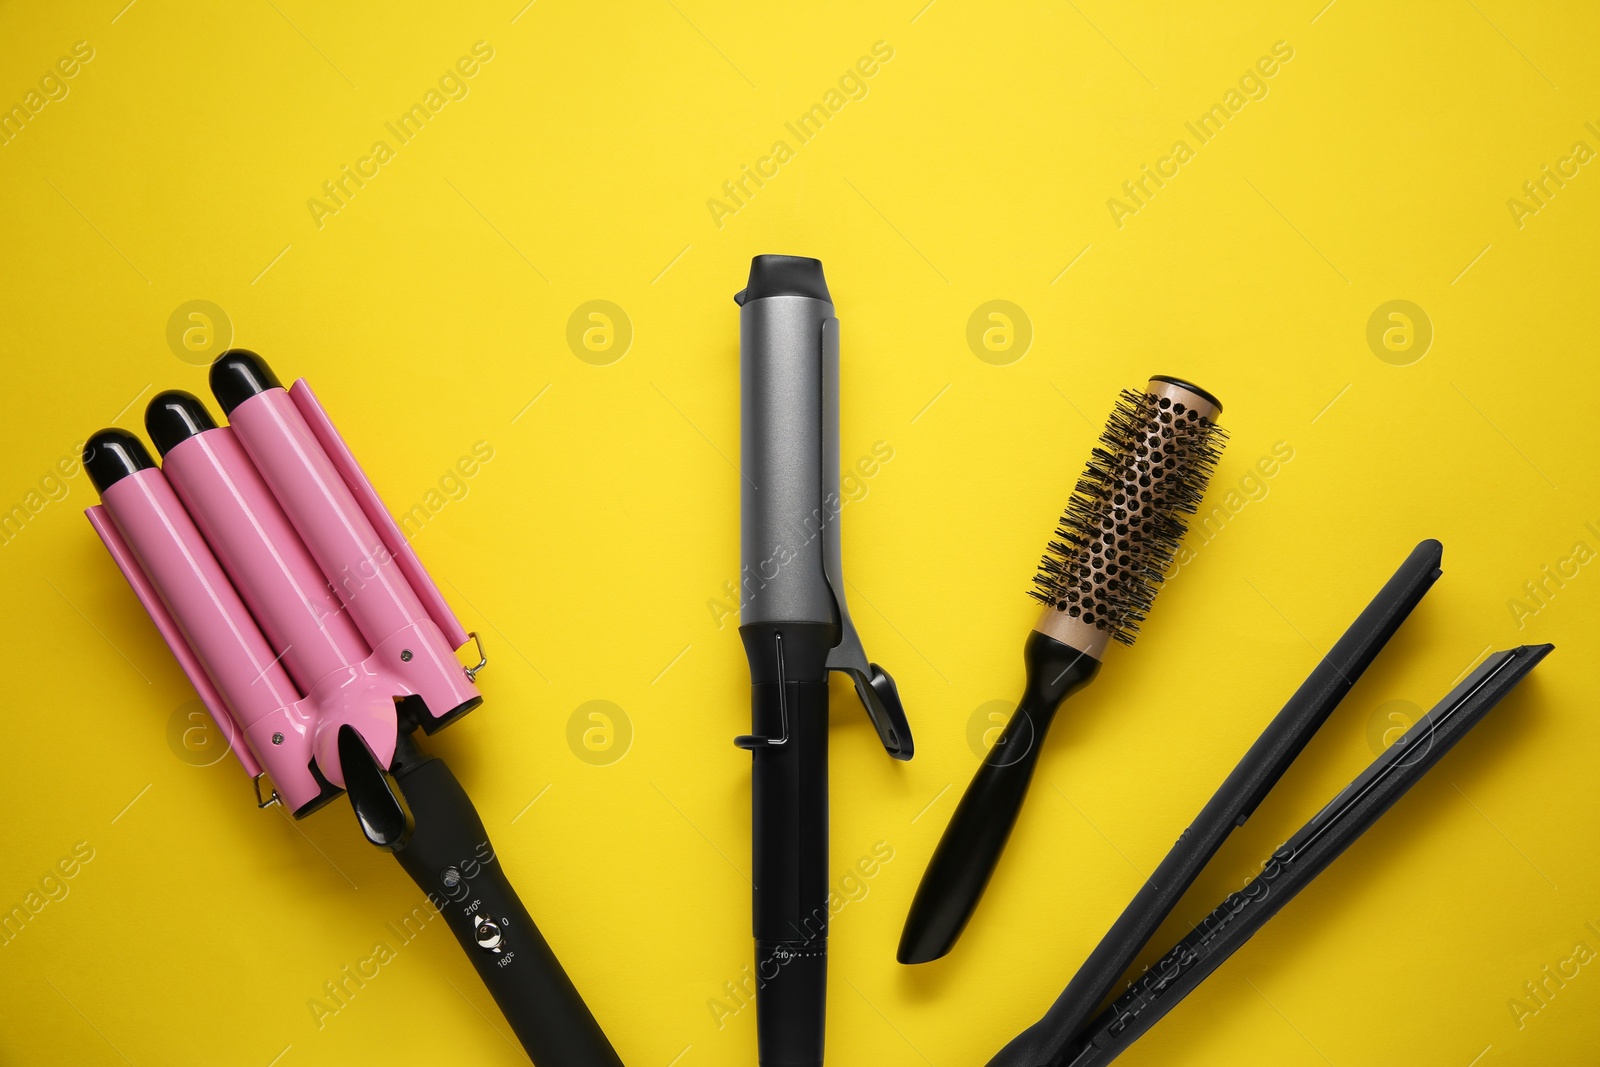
{"points": [[487, 933]]}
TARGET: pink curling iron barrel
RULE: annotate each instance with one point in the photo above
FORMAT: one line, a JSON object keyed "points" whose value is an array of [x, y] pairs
{"points": [[319, 644]]}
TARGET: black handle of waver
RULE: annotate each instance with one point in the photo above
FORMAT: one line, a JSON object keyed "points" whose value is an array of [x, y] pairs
{"points": [[970, 849], [789, 857], [1233, 803], [450, 858]]}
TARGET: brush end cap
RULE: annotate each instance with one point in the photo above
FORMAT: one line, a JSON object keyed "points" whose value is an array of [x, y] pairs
{"points": [[1191, 387]]}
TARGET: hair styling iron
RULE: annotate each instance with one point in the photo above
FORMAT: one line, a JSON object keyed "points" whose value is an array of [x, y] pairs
{"points": [[319, 644], [795, 628], [1071, 1034]]}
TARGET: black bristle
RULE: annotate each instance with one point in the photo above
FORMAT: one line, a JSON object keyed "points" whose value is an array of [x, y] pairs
{"points": [[1122, 528]]}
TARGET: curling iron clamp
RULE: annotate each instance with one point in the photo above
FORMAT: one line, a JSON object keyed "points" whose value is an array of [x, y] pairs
{"points": [[1080, 1029], [319, 643]]}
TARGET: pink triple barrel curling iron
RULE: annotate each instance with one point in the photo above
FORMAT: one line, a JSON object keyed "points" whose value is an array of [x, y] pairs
{"points": [[319, 644]]}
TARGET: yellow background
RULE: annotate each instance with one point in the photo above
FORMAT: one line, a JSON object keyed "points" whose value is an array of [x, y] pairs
{"points": [[591, 550]]}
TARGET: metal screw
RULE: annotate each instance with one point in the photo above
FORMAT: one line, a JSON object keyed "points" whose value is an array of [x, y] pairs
{"points": [[405, 655], [277, 739], [451, 877]]}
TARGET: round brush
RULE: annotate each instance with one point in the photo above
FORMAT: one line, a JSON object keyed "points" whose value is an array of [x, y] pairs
{"points": [[1115, 543]]}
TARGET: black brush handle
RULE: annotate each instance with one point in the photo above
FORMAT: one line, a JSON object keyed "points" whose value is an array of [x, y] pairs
{"points": [[450, 858], [1234, 802], [970, 848]]}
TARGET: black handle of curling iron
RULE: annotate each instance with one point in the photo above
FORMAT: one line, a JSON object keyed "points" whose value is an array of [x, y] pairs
{"points": [[1234, 802], [421, 813], [789, 845]]}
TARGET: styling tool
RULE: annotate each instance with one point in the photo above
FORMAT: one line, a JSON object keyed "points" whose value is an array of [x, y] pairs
{"points": [[796, 628], [1075, 1031], [319, 644], [1116, 540]]}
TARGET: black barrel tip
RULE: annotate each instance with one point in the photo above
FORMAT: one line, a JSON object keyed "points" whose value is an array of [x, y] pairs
{"points": [[175, 416], [239, 374], [784, 276], [110, 455]]}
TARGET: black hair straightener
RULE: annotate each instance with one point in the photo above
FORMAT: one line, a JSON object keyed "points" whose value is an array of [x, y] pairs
{"points": [[1073, 1033]]}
